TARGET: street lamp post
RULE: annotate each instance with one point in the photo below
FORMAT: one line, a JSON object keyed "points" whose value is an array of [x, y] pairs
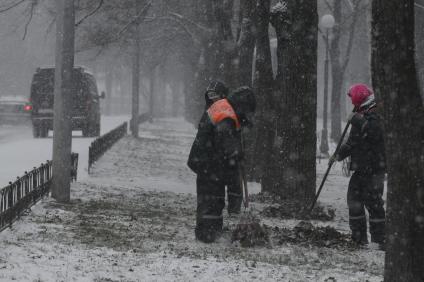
{"points": [[327, 22]]}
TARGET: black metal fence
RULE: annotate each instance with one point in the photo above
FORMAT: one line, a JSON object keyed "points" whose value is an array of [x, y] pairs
{"points": [[99, 146], [27, 190]]}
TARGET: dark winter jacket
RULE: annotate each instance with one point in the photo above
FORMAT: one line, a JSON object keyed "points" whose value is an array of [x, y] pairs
{"points": [[216, 149], [365, 144]]}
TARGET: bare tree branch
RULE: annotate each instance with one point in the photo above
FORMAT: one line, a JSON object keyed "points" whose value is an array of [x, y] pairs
{"points": [[91, 13], [357, 9], [12, 6], [329, 6], [31, 14], [350, 5], [136, 19], [199, 26]]}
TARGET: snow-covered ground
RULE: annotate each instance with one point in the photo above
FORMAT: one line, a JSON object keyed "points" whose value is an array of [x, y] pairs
{"points": [[19, 151], [133, 220]]}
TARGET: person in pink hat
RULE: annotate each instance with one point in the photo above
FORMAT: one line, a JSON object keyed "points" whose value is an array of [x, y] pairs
{"points": [[365, 146]]}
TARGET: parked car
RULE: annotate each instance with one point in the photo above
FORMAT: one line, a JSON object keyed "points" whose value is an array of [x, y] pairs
{"points": [[15, 110], [85, 108]]}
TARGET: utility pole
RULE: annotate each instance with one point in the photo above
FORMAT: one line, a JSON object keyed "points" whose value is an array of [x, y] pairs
{"points": [[136, 79], [63, 90]]}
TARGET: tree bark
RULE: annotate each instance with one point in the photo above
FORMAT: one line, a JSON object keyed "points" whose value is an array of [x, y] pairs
{"points": [[135, 83], [109, 87], [395, 84], [263, 133], [419, 38], [63, 92], [246, 43], [337, 75], [153, 91], [297, 29]]}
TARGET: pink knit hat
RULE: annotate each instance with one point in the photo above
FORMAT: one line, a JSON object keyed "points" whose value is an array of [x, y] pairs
{"points": [[361, 95]]}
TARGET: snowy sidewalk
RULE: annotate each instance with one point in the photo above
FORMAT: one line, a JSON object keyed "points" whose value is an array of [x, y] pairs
{"points": [[133, 220]]}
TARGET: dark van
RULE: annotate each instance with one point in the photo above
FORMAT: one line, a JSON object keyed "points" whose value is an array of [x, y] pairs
{"points": [[85, 107]]}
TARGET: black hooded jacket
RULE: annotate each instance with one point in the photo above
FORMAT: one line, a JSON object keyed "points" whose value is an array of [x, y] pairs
{"points": [[365, 144], [217, 147]]}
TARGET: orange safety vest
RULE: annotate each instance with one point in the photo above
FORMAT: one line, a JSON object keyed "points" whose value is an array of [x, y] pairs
{"points": [[221, 110]]}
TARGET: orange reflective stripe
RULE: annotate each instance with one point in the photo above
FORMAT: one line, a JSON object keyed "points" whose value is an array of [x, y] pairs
{"points": [[221, 110]]}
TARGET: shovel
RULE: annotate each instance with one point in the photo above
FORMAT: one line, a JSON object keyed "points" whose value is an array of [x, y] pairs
{"points": [[330, 164], [243, 182], [247, 220]]}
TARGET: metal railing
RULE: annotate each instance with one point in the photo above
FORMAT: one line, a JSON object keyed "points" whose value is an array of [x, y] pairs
{"points": [[27, 190], [99, 146]]}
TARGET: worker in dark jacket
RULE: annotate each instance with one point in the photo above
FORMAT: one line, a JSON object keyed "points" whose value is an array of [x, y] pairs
{"points": [[365, 146], [215, 157], [215, 91]]}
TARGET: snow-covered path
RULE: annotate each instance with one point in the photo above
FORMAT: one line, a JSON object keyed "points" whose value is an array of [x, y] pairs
{"points": [[133, 220]]}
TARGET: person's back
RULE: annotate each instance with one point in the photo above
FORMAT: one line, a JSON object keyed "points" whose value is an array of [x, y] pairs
{"points": [[214, 157]]}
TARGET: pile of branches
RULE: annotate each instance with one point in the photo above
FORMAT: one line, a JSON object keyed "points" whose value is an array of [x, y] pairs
{"points": [[294, 210], [308, 235]]}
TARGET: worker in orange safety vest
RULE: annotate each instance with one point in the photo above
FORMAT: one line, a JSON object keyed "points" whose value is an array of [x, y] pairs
{"points": [[215, 156]]}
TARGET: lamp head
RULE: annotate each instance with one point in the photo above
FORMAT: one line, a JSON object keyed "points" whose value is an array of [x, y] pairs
{"points": [[328, 21]]}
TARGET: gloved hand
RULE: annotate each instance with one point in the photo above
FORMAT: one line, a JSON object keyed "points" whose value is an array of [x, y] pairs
{"points": [[333, 159]]}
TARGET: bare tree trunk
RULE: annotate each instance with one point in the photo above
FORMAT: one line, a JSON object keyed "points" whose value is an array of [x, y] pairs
{"points": [[135, 83], [63, 92], [246, 43], [297, 29], [339, 61], [162, 95], [395, 84], [109, 87], [263, 134], [419, 38], [337, 76], [152, 93]]}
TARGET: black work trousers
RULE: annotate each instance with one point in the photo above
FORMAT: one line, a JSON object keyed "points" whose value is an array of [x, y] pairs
{"points": [[366, 191], [211, 202]]}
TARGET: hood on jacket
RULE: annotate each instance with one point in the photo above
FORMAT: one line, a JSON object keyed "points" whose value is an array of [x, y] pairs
{"points": [[244, 103]]}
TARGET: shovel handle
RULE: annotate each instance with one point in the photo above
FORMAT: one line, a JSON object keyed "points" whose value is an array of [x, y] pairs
{"points": [[243, 184], [329, 166]]}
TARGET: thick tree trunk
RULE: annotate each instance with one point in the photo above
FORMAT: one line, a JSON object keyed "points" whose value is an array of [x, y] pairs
{"points": [[419, 38], [395, 84], [109, 87], [246, 43], [152, 90], [161, 106], [135, 84], [296, 27], [63, 93], [337, 75], [263, 133], [337, 85]]}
